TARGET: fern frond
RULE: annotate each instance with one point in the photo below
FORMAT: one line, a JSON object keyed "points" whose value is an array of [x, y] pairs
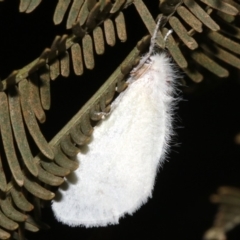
{"points": [[228, 215], [28, 6]]}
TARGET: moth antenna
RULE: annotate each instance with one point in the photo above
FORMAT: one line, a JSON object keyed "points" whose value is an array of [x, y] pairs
{"points": [[154, 37], [151, 48], [167, 35]]}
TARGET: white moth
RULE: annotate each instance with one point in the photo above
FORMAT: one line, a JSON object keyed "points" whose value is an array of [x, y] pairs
{"points": [[117, 173]]}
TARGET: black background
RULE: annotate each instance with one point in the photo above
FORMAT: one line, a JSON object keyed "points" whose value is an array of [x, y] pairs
{"points": [[203, 157]]}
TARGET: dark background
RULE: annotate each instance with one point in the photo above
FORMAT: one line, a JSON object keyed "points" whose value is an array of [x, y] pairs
{"points": [[203, 157]]}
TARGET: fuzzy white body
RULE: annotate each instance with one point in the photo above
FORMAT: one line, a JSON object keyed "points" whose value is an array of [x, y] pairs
{"points": [[117, 174]]}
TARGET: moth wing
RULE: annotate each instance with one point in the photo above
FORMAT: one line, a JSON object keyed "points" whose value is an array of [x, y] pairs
{"points": [[117, 173]]}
